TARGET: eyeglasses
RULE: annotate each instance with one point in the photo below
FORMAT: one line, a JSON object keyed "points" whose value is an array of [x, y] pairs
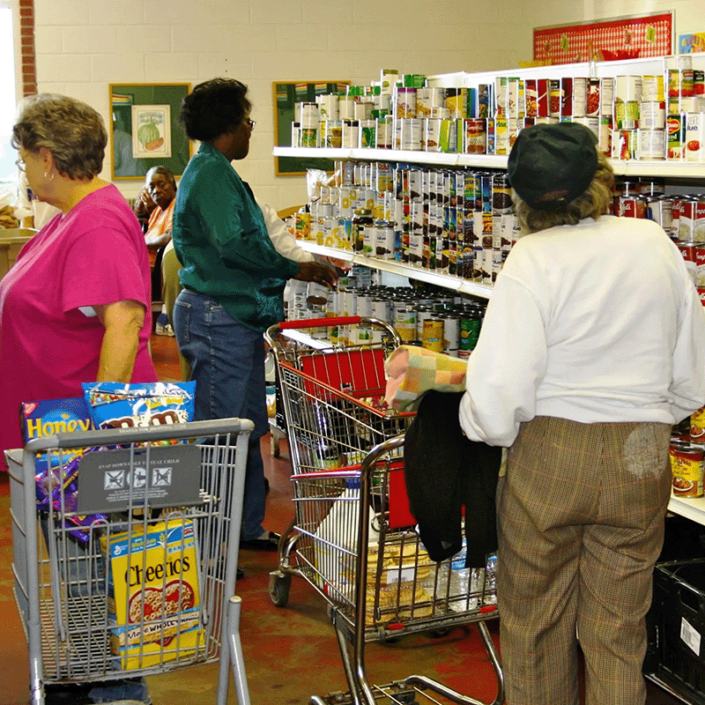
{"points": [[20, 164], [251, 123]]}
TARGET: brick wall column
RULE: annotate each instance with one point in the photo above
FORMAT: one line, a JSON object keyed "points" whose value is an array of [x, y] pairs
{"points": [[29, 65]]}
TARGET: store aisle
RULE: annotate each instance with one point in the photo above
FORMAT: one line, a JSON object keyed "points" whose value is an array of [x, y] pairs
{"points": [[290, 653]]}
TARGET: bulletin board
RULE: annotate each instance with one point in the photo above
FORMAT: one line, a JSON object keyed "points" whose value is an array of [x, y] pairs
{"points": [[145, 130], [613, 39], [286, 95]]}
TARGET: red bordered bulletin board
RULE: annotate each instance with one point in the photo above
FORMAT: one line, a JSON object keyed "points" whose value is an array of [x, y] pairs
{"points": [[633, 37]]}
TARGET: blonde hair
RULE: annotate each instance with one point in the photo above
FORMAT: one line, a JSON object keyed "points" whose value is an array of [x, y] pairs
{"points": [[71, 130], [592, 203]]}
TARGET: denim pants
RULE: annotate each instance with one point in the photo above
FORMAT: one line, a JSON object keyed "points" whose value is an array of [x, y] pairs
{"points": [[227, 364]]}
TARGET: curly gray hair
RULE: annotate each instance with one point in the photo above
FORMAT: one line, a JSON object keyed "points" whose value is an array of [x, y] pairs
{"points": [[71, 130]]}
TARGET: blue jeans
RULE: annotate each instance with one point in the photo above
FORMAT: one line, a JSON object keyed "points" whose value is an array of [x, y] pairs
{"points": [[227, 364]]}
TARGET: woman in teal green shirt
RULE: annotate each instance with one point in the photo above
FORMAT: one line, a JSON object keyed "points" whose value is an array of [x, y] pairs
{"points": [[233, 279]]}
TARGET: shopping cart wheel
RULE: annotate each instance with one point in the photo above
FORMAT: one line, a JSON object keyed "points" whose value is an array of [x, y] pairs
{"points": [[279, 586]]}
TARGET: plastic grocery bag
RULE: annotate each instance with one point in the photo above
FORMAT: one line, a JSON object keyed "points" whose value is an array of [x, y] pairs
{"points": [[335, 543]]}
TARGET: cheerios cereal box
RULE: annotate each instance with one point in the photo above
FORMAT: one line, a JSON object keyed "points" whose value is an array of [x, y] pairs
{"points": [[153, 599]]}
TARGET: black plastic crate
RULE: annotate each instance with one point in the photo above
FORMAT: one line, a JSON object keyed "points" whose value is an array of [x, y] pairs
{"points": [[676, 623]]}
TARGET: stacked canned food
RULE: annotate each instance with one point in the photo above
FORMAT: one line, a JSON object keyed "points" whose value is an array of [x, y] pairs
{"points": [[427, 316], [686, 456], [682, 216], [633, 116], [458, 222]]}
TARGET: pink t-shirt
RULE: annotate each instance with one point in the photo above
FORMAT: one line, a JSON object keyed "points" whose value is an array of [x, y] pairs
{"points": [[93, 255]]}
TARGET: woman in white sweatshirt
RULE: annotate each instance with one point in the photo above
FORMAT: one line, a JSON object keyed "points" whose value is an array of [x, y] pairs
{"points": [[592, 347]]}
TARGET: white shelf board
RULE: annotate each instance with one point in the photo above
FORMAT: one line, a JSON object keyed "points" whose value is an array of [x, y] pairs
{"points": [[692, 508], [445, 281], [664, 167]]}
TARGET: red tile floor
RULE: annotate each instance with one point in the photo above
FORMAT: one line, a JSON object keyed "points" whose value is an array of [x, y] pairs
{"points": [[290, 653]]}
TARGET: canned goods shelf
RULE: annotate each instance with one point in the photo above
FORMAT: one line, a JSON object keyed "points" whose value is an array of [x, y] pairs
{"points": [[446, 281]]}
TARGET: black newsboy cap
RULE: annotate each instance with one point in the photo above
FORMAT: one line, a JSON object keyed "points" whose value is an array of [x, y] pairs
{"points": [[551, 165]]}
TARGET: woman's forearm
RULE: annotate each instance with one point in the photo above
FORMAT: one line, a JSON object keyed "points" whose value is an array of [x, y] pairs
{"points": [[123, 321]]}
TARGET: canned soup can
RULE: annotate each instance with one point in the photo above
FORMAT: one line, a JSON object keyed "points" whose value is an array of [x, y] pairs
{"points": [[687, 470]]}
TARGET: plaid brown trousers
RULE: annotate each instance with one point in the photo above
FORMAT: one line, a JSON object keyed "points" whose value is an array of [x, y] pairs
{"points": [[581, 520]]}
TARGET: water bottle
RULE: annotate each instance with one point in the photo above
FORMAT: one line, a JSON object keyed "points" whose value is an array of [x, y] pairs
{"points": [[491, 580], [459, 582]]}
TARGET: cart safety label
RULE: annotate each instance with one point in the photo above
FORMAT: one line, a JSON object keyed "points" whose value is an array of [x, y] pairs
{"points": [[690, 636], [114, 480]]}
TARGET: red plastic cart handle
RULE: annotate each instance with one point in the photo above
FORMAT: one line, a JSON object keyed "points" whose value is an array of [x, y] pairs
{"points": [[320, 322]]}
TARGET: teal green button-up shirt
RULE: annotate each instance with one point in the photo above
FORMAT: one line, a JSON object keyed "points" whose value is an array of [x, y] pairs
{"points": [[221, 239]]}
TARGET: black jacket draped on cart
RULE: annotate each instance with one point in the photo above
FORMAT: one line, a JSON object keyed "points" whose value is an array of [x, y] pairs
{"points": [[445, 471]]}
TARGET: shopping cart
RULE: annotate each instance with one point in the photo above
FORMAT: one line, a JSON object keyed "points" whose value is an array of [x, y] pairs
{"points": [[353, 537], [130, 575], [357, 547]]}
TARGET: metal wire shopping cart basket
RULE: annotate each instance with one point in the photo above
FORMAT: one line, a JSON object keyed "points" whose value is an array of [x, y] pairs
{"points": [[353, 536], [130, 574]]}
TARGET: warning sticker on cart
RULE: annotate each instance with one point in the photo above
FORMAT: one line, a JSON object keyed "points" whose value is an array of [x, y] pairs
{"points": [[114, 480], [690, 636]]}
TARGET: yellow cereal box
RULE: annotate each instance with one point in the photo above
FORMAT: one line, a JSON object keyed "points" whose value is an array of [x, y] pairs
{"points": [[153, 599]]}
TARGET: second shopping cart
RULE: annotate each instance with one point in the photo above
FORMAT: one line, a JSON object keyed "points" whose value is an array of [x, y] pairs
{"points": [[353, 537]]}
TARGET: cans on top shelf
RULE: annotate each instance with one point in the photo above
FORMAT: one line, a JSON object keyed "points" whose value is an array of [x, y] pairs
{"points": [[634, 117]]}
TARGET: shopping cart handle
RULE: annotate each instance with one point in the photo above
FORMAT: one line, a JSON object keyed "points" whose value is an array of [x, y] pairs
{"points": [[320, 322], [141, 434]]}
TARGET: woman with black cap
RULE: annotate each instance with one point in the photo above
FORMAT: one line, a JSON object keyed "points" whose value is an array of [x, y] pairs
{"points": [[592, 347]]}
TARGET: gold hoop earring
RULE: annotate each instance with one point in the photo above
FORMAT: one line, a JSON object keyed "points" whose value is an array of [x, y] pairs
{"points": [[49, 176]]}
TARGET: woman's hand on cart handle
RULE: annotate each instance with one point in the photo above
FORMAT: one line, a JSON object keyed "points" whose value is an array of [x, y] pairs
{"points": [[318, 273]]}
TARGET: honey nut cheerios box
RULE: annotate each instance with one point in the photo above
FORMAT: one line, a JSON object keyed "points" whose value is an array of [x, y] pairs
{"points": [[153, 594]]}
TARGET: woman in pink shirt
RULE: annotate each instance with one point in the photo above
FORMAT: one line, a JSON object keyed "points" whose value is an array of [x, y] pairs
{"points": [[76, 306]]}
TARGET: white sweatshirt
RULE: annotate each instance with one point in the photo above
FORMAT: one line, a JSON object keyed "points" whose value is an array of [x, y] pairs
{"points": [[598, 322]]}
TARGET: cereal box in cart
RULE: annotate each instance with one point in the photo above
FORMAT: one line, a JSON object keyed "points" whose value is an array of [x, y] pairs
{"points": [[154, 597]]}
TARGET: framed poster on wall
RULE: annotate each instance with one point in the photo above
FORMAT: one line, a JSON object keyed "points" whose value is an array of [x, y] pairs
{"points": [[616, 38], [144, 130], [286, 95]]}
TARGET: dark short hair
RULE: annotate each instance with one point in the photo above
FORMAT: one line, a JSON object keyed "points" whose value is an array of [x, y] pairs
{"points": [[71, 130], [214, 108], [165, 170]]}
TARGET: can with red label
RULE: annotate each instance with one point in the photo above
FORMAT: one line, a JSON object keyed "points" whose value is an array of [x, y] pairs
{"points": [[689, 252], [697, 426], [632, 207], [592, 105], [475, 134], [701, 294], [687, 215], [624, 144], [699, 228], [687, 469], [554, 98], [698, 82], [675, 126], [531, 97], [700, 265], [574, 97]]}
